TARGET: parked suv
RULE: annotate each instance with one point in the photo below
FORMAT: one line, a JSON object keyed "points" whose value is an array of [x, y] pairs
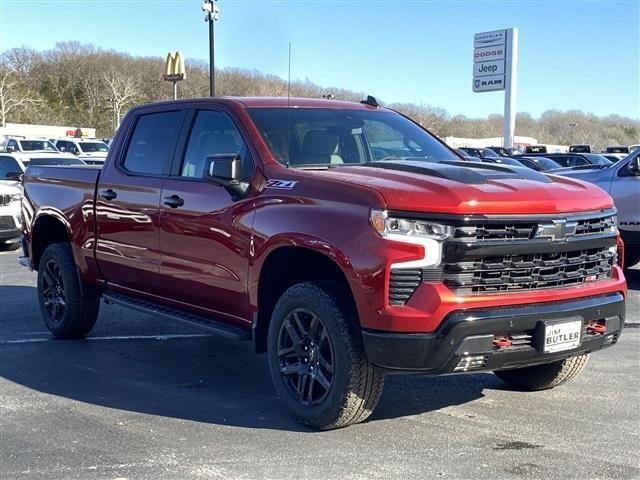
{"points": [[341, 238], [92, 152], [10, 216], [20, 145]]}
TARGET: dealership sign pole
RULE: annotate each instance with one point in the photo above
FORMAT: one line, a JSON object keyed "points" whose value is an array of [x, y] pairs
{"points": [[495, 67]]}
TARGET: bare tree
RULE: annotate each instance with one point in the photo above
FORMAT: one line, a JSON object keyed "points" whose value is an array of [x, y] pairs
{"points": [[121, 89], [13, 94]]}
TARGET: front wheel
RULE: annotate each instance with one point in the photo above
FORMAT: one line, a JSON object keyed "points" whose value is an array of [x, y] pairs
{"points": [[316, 357], [542, 377], [69, 309]]}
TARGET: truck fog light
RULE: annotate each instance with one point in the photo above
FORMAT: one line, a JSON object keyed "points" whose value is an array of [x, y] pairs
{"points": [[471, 362]]}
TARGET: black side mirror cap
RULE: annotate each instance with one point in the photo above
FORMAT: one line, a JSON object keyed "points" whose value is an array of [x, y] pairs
{"points": [[634, 166], [226, 170]]}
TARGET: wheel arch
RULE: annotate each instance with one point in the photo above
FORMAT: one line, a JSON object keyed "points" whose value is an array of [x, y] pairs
{"points": [[48, 228], [284, 266]]}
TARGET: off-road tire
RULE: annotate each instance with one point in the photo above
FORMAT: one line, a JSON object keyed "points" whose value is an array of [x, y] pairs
{"points": [[356, 385], [542, 377], [82, 302]]}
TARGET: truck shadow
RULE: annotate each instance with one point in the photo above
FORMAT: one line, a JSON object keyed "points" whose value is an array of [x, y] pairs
{"points": [[201, 378], [633, 278]]}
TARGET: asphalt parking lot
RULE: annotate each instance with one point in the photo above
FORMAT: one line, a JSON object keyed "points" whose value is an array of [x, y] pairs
{"points": [[142, 398]]}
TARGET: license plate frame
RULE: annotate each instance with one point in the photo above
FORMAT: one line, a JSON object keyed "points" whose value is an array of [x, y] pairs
{"points": [[561, 335]]}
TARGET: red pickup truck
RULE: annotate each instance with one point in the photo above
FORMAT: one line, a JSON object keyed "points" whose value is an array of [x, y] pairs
{"points": [[342, 238]]}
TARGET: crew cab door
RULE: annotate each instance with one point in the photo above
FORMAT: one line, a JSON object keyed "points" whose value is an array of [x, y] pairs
{"points": [[128, 202], [205, 234]]}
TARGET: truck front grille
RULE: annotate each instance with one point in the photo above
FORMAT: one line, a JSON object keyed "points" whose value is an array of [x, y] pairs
{"points": [[510, 273], [5, 200], [514, 230], [494, 255], [7, 222]]}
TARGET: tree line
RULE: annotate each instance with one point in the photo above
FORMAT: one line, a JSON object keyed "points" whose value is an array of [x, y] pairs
{"points": [[80, 85]]}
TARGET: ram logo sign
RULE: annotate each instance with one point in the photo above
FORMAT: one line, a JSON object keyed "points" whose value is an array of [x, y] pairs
{"points": [[174, 67]]}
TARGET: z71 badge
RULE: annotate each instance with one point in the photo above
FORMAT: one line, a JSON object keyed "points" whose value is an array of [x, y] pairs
{"points": [[281, 184]]}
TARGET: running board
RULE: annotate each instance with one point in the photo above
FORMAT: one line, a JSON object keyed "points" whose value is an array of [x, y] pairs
{"points": [[212, 326]]}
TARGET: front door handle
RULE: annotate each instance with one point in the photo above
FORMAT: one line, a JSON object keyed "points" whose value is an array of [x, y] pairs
{"points": [[108, 194], [174, 201]]}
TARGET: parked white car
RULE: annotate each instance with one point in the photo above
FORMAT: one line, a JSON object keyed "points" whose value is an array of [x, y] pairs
{"points": [[13, 165], [10, 216], [91, 151]]}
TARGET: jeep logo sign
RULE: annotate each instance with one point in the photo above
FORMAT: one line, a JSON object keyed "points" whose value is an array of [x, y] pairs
{"points": [[483, 69]]}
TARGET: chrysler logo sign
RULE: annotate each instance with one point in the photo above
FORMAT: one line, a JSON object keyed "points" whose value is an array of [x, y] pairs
{"points": [[556, 230]]}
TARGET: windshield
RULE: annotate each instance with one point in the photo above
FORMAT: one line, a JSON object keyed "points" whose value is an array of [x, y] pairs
{"points": [[33, 145], [488, 153], [507, 161], [545, 163], [503, 152], [54, 161], [597, 159], [303, 137], [91, 147]]}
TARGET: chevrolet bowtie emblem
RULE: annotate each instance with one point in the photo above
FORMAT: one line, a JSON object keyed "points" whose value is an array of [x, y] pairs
{"points": [[556, 230]]}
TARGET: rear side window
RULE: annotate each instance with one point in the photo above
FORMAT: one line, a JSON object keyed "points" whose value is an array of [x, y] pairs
{"points": [[152, 143]]}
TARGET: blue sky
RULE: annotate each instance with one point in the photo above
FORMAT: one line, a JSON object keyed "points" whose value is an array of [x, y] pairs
{"points": [[573, 55]]}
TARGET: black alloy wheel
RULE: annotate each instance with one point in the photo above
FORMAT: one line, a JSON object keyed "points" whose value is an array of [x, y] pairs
{"points": [[69, 307], [306, 357], [53, 291]]}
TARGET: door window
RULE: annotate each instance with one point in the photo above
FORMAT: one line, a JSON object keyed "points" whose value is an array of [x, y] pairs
{"points": [[213, 133], [152, 143]]}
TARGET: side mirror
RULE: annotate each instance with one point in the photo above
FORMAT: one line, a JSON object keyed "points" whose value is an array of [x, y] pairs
{"points": [[634, 166], [15, 176], [11, 149], [226, 170]]}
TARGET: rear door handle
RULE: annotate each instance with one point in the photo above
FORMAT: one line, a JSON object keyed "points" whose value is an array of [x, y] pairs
{"points": [[174, 201], [108, 194]]}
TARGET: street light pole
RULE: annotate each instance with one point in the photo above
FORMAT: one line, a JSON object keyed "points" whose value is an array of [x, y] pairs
{"points": [[211, 17], [573, 126]]}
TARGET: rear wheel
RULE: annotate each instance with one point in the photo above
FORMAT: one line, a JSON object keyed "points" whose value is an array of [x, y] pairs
{"points": [[69, 310], [542, 377], [317, 360]]}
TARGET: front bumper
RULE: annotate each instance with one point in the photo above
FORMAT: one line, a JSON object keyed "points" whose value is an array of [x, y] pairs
{"points": [[10, 236], [464, 340]]}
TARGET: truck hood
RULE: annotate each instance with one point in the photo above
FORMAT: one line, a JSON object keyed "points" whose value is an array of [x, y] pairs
{"points": [[473, 188]]}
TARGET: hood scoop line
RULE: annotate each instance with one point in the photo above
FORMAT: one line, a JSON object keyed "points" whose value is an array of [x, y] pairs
{"points": [[469, 173]]}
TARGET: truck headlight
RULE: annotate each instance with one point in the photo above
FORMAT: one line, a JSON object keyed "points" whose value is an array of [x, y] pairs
{"points": [[386, 226], [16, 197], [429, 235]]}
